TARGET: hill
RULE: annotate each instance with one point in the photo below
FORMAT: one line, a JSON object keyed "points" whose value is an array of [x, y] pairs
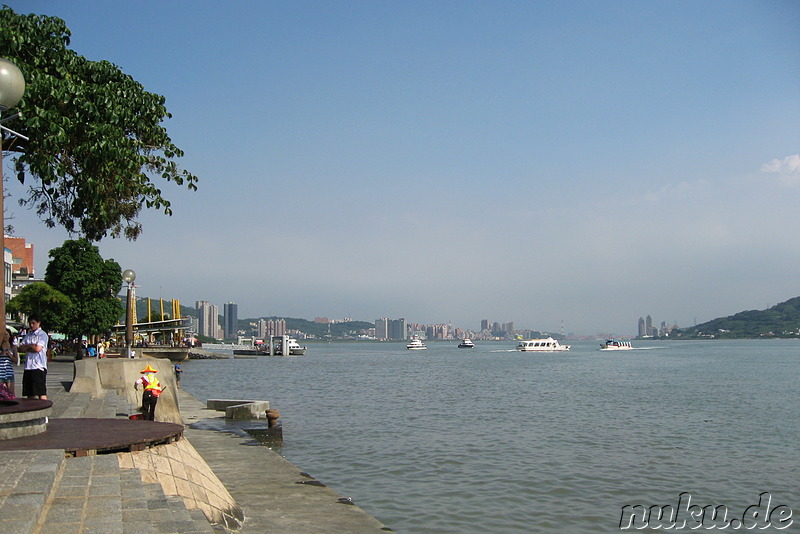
{"points": [[781, 320], [314, 330]]}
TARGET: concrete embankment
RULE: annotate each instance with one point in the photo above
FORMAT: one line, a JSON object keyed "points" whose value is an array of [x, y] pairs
{"points": [[276, 495], [217, 468]]}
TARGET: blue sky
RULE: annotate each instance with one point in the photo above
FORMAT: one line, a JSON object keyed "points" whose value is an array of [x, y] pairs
{"points": [[443, 161]]}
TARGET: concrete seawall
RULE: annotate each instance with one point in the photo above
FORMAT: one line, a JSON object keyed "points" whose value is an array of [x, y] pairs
{"points": [[218, 470]]}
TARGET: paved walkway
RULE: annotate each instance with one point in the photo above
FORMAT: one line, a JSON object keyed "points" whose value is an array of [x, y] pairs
{"points": [[44, 491]]}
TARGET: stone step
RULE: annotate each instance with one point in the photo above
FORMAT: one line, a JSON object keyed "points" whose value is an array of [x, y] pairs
{"points": [[93, 494], [27, 481]]}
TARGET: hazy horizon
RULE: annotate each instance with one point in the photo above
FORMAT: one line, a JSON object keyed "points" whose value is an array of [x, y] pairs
{"points": [[447, 162]]}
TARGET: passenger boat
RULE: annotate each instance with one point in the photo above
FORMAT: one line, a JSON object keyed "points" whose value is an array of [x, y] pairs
{"points": [[416, 344], [466, 343], [615, 344], [295, 349], [541, 345]]}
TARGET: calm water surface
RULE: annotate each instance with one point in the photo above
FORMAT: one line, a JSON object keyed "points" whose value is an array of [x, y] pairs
{"points": [[493, 440]]}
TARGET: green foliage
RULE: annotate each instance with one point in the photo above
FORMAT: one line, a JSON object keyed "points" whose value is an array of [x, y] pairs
{"points": [[96, 141], [781, 320], [92, 283], [40, 299]]}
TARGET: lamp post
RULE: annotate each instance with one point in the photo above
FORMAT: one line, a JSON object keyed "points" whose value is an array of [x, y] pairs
{"points": [[128, 276], [12, 87]]}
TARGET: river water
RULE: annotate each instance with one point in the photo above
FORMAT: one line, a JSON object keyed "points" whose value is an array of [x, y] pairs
{"points": [[489, 439]]}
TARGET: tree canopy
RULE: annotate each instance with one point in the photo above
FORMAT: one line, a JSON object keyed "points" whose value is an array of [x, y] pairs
{"points": [[77, 270], [97, 150], [51, 305]]}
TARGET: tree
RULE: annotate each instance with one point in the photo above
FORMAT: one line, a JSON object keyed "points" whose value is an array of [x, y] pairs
{"points": [[40, 299], [97, 146], [91, 283]]}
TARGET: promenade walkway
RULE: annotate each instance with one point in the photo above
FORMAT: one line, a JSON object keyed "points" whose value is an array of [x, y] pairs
{"points": [[43, 491]]}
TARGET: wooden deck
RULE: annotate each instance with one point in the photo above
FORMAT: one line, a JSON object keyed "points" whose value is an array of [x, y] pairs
{"points": [[86, 437]]}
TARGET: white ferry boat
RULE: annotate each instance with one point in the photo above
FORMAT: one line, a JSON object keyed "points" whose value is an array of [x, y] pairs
{"points": [[541, 345], [295, 349], [466, 343], [416, 344], [615, 344]]}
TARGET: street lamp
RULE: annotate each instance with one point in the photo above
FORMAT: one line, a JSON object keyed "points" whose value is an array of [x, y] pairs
{"points": [[128, 276], [12, 87]]}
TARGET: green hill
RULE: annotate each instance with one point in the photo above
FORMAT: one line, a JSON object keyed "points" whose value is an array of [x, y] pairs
{"points": [[346, 330], [781, 320]]}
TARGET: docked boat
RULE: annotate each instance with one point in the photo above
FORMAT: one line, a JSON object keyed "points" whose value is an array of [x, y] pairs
{"points": [[541, 345], [295, 349], [616, 344], [416, 344], [466, 343]]}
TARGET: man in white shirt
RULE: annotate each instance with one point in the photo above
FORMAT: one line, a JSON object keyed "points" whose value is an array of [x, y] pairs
{"points": [[34, 346]]}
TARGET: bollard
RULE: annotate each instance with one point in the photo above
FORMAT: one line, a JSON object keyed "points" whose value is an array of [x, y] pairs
{"points": [[272, 418]]}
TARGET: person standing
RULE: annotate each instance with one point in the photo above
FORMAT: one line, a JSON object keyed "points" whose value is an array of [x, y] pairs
{"points": [[8, 356], [34, 346], [152, 390], [178, 372]]}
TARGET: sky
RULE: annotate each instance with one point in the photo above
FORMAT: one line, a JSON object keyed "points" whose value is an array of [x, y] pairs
{"points": [[574, 165]]}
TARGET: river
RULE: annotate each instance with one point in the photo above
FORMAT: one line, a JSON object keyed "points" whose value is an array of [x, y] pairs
{"points": [[489, 439]]}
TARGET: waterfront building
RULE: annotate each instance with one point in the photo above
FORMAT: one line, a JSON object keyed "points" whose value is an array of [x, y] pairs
{"points": [[261, 328], [386, 328], [642, 332], [231, 320], [275, 327], [382, 328], [208, 319], [397, 329]]}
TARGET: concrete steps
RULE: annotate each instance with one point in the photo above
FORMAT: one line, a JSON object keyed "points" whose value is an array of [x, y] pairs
{"points": [[44, 491], [92, 494]]}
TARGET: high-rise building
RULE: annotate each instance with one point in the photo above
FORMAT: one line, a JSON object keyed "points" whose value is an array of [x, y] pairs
{"points": [[207, 319], [382, 328], [648, 325], [261, 328], [642, 331], [231, 320], [276, 327], [397, 329]]}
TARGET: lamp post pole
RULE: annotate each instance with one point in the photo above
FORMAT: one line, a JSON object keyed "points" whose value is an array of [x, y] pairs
{"points": [[12, 87], [128, 276]]}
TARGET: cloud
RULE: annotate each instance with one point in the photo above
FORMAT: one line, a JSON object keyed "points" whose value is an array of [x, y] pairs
{"points": [[787, 168]]}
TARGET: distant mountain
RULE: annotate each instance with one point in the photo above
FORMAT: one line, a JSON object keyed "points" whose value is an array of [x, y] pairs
{"points": [[781, 320]]}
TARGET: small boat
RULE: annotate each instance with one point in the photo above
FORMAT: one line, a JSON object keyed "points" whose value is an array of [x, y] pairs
{"points": [[466, 343], [541, 345], [295, 349], [615, 344], [416, 344]]}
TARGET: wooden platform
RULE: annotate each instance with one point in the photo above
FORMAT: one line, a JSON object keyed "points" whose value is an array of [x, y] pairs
{"points": [[86, 437], [21, 405]]}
